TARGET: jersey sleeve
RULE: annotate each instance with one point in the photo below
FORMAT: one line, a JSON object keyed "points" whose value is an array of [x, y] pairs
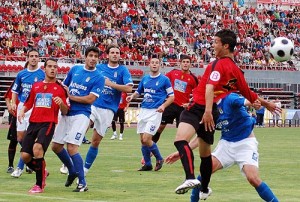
{"points": [[244, 88], [17, 85], [30, 100], [68, 79], [127, 79], [237, 101], [140, 88], [99, 85], [168, 86]]}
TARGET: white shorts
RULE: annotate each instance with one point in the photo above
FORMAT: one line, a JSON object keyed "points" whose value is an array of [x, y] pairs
{"points": [[244, 152], [25, 123], [102, 119], [71, 129], [148, 121]]}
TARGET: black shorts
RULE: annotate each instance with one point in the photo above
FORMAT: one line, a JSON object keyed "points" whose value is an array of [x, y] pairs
{"points": [[193, 116], [172, 112], [38, 133], [12, 131], [120, 115]]}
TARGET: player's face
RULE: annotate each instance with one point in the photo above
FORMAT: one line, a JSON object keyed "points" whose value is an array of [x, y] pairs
{"points": [[33, 59], [154, 65], [218, 47], [185, 65], [113, 56], [51, 69], [91, 60]]}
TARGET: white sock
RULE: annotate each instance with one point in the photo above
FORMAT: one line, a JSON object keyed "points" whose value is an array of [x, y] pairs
{"points": [[115, 133], [121, 135]]}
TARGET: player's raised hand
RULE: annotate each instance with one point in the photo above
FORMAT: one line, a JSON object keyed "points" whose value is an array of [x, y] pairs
{"points": [[272, 107], [172, 158]]}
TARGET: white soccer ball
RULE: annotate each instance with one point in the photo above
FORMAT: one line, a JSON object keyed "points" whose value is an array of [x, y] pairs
{"points": [[281, 49]]}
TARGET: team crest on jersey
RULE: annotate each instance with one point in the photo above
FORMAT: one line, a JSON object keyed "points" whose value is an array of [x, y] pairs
{"points": [[116, 74], [35, 79], [220, 110], [215, 76], [55, 88], [157, 83], [88, 79]]}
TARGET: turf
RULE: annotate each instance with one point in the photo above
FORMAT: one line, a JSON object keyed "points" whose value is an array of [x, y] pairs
{"points": [[113, 177]]}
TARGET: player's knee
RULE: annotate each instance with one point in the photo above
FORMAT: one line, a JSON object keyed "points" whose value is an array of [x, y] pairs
{"points": [[38, 151], [56, 148], [26, 157], [254, 180]]}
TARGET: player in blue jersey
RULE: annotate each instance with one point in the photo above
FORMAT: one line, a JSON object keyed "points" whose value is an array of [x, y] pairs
{"points": [[20, 91], [118, 80], [237, 145], [158, 94], [84, 85]]}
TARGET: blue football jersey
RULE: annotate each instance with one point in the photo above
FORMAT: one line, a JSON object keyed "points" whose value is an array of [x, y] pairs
{"points": [[82, 82], [23, 83], [155, 89], [110, 97], [234, 120]]}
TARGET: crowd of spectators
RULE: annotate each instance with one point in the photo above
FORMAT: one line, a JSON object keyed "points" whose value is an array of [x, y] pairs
{"points": [[197, 21], [139, 33]]}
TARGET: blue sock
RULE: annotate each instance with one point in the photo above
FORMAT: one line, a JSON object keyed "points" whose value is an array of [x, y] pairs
{"points": [[266, 193], [21, 164], [78, 164], [195, 192], [146, 155], [90, 157], [155, 151], [65, 158]]}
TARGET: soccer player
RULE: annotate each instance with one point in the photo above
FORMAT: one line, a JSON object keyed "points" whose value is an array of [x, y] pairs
{"points": [[12, 131], [120, 115], [20, 91], [84, 84], [46, 98], [156, 88], [183, 83], [220, 78], [118, 80], [237, 145]]}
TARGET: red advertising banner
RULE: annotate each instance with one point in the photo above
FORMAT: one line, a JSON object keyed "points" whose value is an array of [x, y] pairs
{"points": [[278, 2]]}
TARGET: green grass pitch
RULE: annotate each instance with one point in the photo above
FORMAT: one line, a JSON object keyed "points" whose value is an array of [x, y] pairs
{"points": [[113, 177]]}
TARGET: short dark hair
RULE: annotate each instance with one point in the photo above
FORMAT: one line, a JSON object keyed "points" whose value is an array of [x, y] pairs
{"points": [[227, 37], [49, 59], [32, 50], [110, 47], [184, 57], [91, 49]]}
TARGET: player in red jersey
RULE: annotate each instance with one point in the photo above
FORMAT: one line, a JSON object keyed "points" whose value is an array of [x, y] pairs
{"points": [[220, 78], [46, 98], [12, 131], [183, 83], [121, 116]]}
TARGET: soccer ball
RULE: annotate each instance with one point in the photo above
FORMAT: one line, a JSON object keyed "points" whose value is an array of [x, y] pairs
{"points": [[281, 49]]}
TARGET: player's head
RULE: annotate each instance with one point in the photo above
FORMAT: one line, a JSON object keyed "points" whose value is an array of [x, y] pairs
{"points": [[91, 57], [32, 58], [224, 42], [113, 54], [185, 63], [50, 68], [154, 65]]}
